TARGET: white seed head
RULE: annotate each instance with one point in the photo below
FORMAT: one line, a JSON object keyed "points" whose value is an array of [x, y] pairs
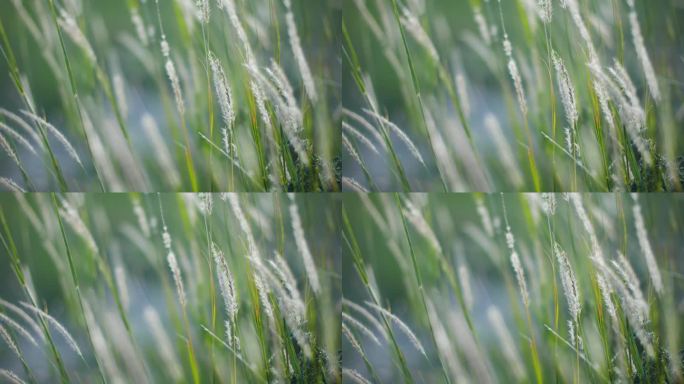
{"points": [[400, 134], [567, 91], [303, 247], [415, 29], [296, 46], [642, 54], [69, 25], [177, 277], [401, 325], [569, 282], [645, 244], [56, 325], [57, 134], [520, 276]]}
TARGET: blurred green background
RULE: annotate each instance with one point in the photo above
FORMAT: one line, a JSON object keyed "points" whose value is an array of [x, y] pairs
{"points": [[452, 29], [124, 241], [457, 223]]}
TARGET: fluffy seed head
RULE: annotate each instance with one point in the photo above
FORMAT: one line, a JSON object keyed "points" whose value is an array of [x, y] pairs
{"points": [[177, 278], [303, 246], [645, 244]]}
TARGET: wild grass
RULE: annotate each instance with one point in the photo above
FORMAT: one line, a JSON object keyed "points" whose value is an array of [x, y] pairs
{"points": [[521, 95], [569, 288], [218, 95], [170, 287]]}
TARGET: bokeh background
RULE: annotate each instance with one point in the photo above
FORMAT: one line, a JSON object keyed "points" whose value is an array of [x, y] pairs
{"points": [[109, 28], [460, 223], [127, 230], [454, 32]]}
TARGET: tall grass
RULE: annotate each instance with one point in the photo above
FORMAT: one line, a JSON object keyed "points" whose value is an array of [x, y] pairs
{"points": [[512, 288], [176, 287], [179, 95], [586, 94]]}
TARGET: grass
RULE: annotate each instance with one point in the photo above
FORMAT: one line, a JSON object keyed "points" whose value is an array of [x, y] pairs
{"points": [[242, 100], [183, 288], [457, 306], [488, 121]]}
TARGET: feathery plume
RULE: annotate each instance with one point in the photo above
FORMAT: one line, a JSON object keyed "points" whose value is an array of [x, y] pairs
{"points": [[303, 247], [18, 137], [11, 376], [8, 340], [569, 282], [57, 135], [640, 47], [517, 267], [515, 75], [139, 25], [645, 244], [177, 278], [380, 330], [226, 284], [296, 46], [352, 184], [401, 325], [352, 340], [69, 25], [173, 76], [482, 25], [71, 216], [225, 100], [567, 91], [545, 10], [350, 148], [400, 134], [23, 125], [368, 126], [415, 217], [354, 376], [363, 139], [9, 150], [204, 10], [242, 221], [360, 326], [412, 25], [55, 324], [485, 217], [28, 319], [18, 328]]}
